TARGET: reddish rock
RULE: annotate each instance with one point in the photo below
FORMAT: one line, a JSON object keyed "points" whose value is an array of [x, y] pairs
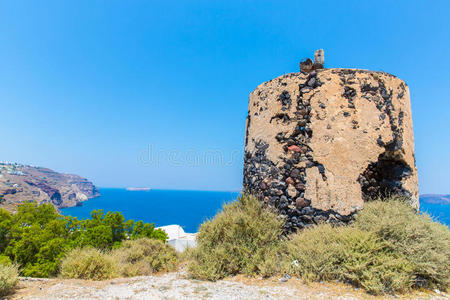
{"points": [[294, 148], [300, 202]]}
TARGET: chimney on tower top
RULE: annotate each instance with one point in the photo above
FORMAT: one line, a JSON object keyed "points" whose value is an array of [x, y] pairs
{"points": [[319, 59]]}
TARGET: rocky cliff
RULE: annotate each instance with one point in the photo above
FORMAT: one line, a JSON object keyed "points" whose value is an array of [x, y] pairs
{"points": [[19, 183], [320, 144]]}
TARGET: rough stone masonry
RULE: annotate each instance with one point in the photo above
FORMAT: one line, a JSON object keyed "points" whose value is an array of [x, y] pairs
{"points": [[320, 144]]}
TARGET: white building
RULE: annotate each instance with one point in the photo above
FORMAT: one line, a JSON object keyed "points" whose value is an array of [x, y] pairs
{"points": [[179, 239]]}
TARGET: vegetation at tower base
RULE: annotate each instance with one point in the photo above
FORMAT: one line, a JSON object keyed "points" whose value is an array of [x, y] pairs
{"points": [[348, 254], [388, 248], [244, 238], [37, 237], [426, 244]]}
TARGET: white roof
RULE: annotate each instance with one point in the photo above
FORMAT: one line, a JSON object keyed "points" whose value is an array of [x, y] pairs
{"points": [[176, 232]]}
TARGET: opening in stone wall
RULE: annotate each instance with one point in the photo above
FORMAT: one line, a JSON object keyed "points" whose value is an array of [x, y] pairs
{"points": [[384, 177]]}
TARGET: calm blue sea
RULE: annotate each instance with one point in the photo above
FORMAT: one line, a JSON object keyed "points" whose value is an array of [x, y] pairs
{"points": [[162, 207], [439, 212], [186, 208]]}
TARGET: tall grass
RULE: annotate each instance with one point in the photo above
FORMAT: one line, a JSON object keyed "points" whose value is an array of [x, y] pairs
{"points": [[9, 276]]}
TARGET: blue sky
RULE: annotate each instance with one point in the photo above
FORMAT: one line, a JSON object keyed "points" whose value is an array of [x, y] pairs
{"points": [[154, 93]]}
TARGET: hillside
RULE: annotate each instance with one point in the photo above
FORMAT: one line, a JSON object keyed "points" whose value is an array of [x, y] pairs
{"points": [[20, 183]]}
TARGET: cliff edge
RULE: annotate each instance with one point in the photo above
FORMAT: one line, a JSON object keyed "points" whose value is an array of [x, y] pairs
{"points": [[20, 183]]}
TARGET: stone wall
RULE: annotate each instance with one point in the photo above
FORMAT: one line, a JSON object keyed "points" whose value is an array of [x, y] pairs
{"points": [[319, 144]]}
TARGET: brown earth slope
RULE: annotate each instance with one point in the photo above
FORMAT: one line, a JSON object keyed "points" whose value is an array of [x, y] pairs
{"points": [[21, 183]]}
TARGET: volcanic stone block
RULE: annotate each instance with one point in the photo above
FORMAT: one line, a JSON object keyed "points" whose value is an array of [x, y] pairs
{"points": [[319, 145]]}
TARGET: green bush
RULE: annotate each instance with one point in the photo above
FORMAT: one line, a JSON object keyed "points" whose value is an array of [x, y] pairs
{"points": [[348, 254], [4, 260], [88, 263], [244, 237], [9, 276], [425, 243], [5, 226], [37, 237], [105, 231], [144, 257]]}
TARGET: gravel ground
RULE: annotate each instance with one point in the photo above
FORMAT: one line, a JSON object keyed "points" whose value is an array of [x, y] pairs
{"points": [[176, 285]]}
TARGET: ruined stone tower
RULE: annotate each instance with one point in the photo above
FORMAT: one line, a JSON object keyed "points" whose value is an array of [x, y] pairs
{"points": [[320, 144]]}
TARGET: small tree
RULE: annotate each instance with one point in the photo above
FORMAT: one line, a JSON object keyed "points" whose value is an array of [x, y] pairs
{"points": [[5, 227]]}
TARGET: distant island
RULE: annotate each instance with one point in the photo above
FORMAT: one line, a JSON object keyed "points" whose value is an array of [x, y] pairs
{"points": [[435, 199], [138, 189], [21, 183]]}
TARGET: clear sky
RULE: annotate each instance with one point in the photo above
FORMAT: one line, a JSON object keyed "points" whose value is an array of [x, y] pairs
{"points": [[154, 93]]}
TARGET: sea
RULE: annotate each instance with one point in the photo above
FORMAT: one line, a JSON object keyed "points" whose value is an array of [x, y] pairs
{"points": [[188, 209], [439, 212]]}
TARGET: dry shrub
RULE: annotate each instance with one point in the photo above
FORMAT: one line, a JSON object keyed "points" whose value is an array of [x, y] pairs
{"points": [[425, 243], [389, 248], [9, 276], [144, 257], [348, 254], [244, 238], [186, 255], [88, 263]]}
